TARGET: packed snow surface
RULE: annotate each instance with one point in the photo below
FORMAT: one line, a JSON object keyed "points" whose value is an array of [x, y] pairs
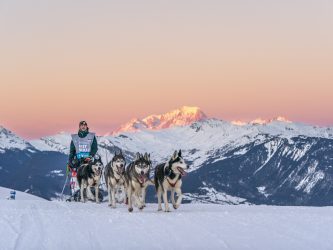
{"points": [[38, 224]]}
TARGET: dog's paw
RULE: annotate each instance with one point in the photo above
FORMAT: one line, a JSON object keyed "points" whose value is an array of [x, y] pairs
{"points": [[141, 208], [130, 209], [159, 209], [167, 210], [176, 206], [110, 205]]}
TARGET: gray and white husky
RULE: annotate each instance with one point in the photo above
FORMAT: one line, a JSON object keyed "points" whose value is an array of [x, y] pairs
{"points": [[168, 177], [115, 177], [137, 180], [89, 175]]}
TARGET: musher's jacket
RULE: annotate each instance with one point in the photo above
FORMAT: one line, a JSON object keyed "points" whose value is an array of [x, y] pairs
{"points": [[83, 145]]}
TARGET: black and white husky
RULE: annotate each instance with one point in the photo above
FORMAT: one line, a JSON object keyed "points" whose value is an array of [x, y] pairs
{"points": [[137, 180], [115, 177], [168, 178], [89, 175]]}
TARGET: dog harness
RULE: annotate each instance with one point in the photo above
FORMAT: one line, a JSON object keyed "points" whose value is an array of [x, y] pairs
{"points": [[93, 177], [113, 175], [173, 184], [170, 174], [117, 180]]}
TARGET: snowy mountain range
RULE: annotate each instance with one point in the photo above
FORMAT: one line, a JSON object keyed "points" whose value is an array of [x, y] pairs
{"points": [[272, 161], [179, 117], [9, 140]]}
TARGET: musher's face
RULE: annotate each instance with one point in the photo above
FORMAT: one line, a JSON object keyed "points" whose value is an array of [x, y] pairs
{"points": [[83, 127]]}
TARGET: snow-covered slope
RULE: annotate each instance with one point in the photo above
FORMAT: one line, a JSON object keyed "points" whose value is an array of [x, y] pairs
{"points": [[57, 225], [20, 196], [58, 143], [8, 140]]}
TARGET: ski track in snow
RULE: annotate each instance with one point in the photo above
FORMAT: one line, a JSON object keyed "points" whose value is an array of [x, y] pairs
{"points": [[39, 224]]}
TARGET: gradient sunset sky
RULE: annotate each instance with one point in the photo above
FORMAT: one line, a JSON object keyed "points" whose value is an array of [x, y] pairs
{"points": [[109, 61]]}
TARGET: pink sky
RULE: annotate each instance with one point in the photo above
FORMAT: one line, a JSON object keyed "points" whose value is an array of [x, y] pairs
{"points": [[108, 62]]}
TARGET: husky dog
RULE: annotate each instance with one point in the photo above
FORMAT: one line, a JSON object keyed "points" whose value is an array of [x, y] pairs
{"points": [[89, 175], [115, 176], [137, 180], [168, 178]]}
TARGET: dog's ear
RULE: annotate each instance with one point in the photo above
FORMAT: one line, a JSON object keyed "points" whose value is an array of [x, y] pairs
{"points": [[138, 156], [121, 152], [180, 153], [175, 155], [147, 157]]}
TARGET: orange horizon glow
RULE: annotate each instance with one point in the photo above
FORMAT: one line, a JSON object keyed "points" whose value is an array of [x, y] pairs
{"points": [[103, 127], [108, 62]]}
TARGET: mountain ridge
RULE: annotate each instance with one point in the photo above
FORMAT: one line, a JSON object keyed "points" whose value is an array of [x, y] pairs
{"points": [[183, 116]]}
